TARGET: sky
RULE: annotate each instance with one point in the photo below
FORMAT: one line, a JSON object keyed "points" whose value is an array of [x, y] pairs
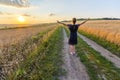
{"points": [[46, 11]]}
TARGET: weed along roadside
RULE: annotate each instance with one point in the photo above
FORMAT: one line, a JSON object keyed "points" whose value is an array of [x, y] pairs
{"points": [[111, 46], [98, 67], [45, 62]]}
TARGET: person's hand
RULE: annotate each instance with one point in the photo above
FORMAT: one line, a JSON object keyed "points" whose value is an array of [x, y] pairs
{"points": [[88, 19], [58, 21]]}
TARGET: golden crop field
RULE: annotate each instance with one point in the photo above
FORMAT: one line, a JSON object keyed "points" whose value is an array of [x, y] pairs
{"points": [[12, 36], [105, 29], [17, 43]]}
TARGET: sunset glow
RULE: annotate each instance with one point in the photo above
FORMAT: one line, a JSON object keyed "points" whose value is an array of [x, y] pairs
{"points": [[21, 19]]}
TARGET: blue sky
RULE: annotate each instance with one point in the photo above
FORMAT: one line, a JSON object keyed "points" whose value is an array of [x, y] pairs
{"points": [[52, 10]]}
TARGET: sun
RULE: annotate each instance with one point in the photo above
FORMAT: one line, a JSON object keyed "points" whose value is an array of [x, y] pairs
{"points": [[21, 19]]}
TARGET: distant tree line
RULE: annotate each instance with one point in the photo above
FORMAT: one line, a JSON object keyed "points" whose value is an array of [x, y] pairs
{"points": [[93, 19], [100, 19]]}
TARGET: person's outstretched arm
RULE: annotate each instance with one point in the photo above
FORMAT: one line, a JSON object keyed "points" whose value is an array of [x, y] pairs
{"points": [[61, 23], [84, 22]]}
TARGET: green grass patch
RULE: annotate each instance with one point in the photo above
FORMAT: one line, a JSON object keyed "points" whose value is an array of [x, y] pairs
{"points": [[45, 62], [114, 48], [98, 67]]}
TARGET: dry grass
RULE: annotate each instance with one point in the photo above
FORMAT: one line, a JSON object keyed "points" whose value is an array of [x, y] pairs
{"points": [[106, 29], [12, 36], [16, 44]]}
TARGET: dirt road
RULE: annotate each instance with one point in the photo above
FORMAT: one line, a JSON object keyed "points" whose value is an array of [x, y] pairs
{"points": [[74, 68], [107, 54]]}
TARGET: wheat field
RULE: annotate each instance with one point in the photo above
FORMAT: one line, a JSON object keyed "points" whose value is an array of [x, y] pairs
{"points": [[12, 36], [105, 29]]}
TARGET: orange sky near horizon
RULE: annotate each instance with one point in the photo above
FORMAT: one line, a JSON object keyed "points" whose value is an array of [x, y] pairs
{"points": [[14, 20], [28, 20]]}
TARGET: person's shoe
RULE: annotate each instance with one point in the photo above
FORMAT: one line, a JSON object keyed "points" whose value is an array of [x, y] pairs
{"points": [[71, 53], [75, 54]]}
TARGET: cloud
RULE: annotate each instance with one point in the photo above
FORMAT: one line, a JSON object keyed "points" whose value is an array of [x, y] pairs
{"points": [[5, 13], [15, 3], [1, 13], [14, 14], [27, 15], [8, 13], [52, 14]]}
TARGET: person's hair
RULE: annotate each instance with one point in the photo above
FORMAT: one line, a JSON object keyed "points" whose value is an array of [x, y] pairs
{"points": [[74, 20]]}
